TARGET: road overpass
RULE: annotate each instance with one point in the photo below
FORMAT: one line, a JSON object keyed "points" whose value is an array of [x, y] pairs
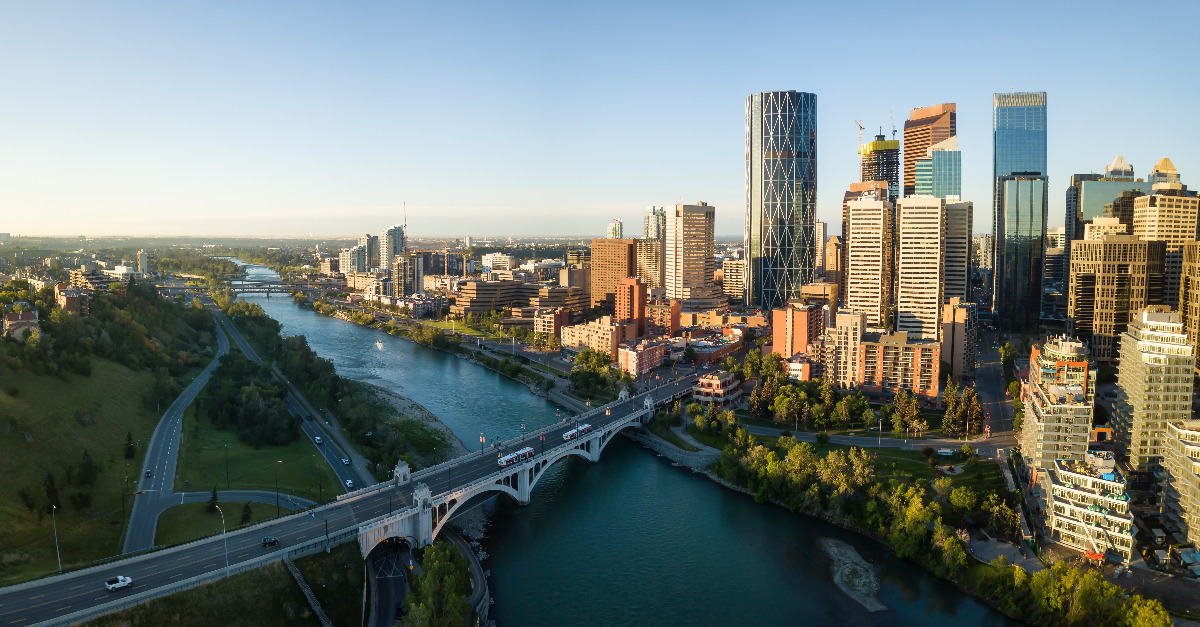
{"points": [[415, 506]]}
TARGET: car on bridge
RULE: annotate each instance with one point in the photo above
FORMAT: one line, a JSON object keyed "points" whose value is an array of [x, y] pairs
{"points": [[118, 582], [270, 541]]}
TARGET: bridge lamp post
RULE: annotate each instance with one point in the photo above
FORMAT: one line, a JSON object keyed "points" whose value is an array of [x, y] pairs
{"points": [[54, 518], [225, 538], [278, 461]]}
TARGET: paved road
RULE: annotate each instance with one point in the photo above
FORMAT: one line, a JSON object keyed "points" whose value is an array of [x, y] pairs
{"points": [[162, 453], [989, 383], [330, 450], [49, 599]]}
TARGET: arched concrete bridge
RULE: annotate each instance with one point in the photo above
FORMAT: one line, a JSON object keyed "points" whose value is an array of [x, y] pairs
{"points": [[441, 492], [413, 506]]}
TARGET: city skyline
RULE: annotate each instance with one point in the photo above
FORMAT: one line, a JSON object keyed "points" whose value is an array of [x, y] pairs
{"points": [[155, 120]]}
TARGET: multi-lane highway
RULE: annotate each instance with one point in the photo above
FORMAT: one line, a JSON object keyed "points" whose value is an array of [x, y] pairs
{"points": [[155, 491], [329, 448], [50, 599]]}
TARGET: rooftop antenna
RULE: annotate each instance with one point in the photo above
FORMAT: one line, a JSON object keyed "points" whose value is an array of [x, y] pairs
{"points": [[860, 130]]}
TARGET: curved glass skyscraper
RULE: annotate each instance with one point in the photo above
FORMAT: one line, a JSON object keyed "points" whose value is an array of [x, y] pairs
{"points": [[781, 195]]}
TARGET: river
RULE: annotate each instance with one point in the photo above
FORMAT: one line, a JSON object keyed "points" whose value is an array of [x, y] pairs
{"points": [[631, 540]]}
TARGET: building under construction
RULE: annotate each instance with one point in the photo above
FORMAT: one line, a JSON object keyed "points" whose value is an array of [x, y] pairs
{"points": [[880, 161]]}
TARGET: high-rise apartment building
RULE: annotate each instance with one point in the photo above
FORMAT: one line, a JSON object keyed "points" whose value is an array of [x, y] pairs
{"points": [[1020, 224], [370, 245], [819, 236], [392, 242], [1059, 400], [939, 172], [919, 266], [795, 327], [835, 254], [655, 223], [956, 253], [1169, 213], [1154, 385], [408, 274], [1189, 293], [781, 195], [733, 284], [1181, 481], [353, 259], [630, 304], [611, 261], [960, 337], [849, 327], [579, 258], [690, 264], [871, 190], [615, 230], [651, 263], [879, 160], [925, 127], [869, 272], [1112, 277]]}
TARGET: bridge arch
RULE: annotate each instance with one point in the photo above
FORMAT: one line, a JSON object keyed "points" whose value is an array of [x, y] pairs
{"points": [[446, 510]]}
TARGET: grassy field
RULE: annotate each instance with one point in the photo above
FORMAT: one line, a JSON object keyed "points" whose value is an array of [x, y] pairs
{"points": [[202, 463], [45, 424], [264, 596], [660, 426], [190, 521], [457, 327]]}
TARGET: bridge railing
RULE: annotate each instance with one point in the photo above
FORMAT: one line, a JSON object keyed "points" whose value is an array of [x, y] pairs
{"points": [[139, 598]]}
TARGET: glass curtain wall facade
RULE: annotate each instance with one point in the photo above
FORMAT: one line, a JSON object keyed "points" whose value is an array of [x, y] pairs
{"points": [[1020, 251], [1018, 206], [781, 196]]}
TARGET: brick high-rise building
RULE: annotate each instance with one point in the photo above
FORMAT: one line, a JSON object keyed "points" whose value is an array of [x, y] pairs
{"points": [[925, 127], [611, 261], [1171, 214], [630, 303], [689, 256], [1112, 277], [795, 327]]}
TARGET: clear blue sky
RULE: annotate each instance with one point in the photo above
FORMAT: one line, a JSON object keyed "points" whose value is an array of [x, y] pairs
{"points": [[291, 118]]}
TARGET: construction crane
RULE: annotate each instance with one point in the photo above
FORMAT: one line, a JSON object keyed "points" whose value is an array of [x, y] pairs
{"points": [[860, 130], [893, 118]]}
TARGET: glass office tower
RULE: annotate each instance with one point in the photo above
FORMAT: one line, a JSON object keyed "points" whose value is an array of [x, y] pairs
{"points": [[1017, 294], [1018, 207], [939, 173], [781, 196]]}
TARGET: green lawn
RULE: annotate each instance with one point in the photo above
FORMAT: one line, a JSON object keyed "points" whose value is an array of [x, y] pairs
{"points": [[544, 368], [202, 462], [716, 442], [45, 425], [263, 596], [190, 521], [660, 426], [457, 327]]}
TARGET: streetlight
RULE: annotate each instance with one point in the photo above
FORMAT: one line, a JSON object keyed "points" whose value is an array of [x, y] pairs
{"points": [[278, 461], [54, 519], [225, 538], [226, 466]]}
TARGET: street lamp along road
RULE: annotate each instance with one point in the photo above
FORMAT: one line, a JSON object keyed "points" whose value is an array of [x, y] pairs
{"points": [[225, 538]]}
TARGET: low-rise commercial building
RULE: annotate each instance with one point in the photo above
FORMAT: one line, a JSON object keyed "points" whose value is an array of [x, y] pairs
{"points": [[718, 387], [718, 318]]}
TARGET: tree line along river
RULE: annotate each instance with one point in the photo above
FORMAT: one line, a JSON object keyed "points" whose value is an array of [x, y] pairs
{"points": [[631, 540]]}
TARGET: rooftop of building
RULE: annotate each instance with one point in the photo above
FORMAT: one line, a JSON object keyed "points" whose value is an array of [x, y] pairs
{"points": [[1096, 464], [896, 338]]}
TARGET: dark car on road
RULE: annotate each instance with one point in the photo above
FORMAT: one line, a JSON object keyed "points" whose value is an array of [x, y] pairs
{"points": [[147, 474], [269, 541]]}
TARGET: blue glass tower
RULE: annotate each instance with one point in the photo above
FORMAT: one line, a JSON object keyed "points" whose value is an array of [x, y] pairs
{"points": [[1019, 207], [939, 173], [781, 196]]}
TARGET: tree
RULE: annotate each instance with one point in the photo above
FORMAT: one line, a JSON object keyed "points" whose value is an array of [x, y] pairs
{"points": [[689, 354], [87, 471], [246, 513], [963, 499], [822, 439], [211, 506], [130, 450], [51, 489], [967, 451], [440, 595], [941, 485]]}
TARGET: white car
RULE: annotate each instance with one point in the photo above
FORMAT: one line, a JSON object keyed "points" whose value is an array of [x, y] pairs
{"points": [[118, 582], [318, 440], [345, 462], [349, 484]]}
